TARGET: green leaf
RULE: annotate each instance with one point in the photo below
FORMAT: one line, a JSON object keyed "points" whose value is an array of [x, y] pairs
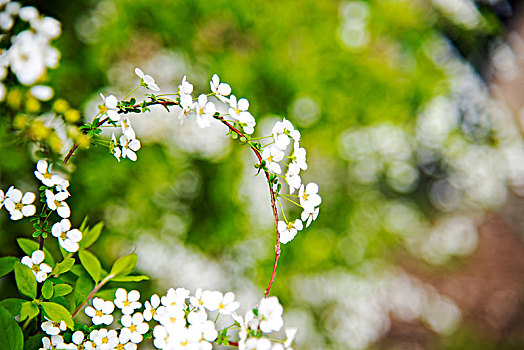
{"points": [[11, 337], [82, 289], [136, 278], [65, 265], [57, 313], [12, 305], [34, 342], [91, 235], [29, 246], [91, 264], [7, 264], [124, 265], [62, 289], [83, 226], [29, 310], [47, 289], [25, 280]]}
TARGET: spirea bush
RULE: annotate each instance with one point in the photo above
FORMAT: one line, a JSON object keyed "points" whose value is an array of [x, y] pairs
{"points": [[55, 285]]}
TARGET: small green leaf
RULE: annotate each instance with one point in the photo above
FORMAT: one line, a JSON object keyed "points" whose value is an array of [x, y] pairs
{"points": [[25, 280], [65, 265], [91, 235], [83, 226], [12, 305], [7, 264], [82, 289], [62, 289], [57, 313], [29, 311], [124, 265], [90, 263], [136, 278], [47, 289], [29, 246], [11, 337], [34, 342]]}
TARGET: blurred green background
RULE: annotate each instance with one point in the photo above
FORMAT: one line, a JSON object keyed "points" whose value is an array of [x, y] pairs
{"points": [[403, 135]]}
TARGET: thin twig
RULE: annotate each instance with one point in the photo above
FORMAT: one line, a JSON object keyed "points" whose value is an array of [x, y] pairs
{"points": [[93, 292]]}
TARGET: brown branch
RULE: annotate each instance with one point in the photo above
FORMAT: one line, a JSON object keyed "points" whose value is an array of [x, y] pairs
{"points": [[257, 153], [273, 204], [93, 292]]}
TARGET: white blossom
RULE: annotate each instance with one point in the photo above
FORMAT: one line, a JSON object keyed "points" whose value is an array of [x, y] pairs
{"points": [[273, 155], [53, 328], [114, 149], [270, 314], [68, 239], [289, 231], [127, 302], [283, 131], [309, 216], [100, 312], [36, 264], [221, 90], [105, 339], [238, 111], [109, 107], [147, 79], [204, 111], [57, 202], [129, 147], [308, 196], [292, 177], [19, 205], [127, 129], [150, 311], [134, 328]]}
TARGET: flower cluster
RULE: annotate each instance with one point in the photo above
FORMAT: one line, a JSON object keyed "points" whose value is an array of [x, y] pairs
{"points": [[284, 141], [17, 203], [175, 320], [30, 53]]}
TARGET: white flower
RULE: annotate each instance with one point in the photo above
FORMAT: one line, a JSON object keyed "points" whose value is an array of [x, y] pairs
{"points": [[147, 79], [127, 302], [57, 202], [188, 107], [221, 90], [29, 56], [175, 299], [151, 308], [212, 299], [258, 344], [282, 131], [270, 314], [204, 111], [55, 342], [134, 328], [100, 312], [43, 174], [62, 184], [238, 111], [272, 155], [53, 328], [36, 264], [228, 304], [292, 178], [109, 107], [161, 336], [290, 336], [19, 205], [114, 149], [196, 300], [309, 198], [127, 129], [185, 88], [42, 92], [129, 147], [68, 239], [104, 339], [309, 216], [289, 231], [299, 156]]}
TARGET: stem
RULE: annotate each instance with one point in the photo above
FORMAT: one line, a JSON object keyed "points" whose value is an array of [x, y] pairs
{"points": [[282, 210], [130, 92], [93, 292], [273, 204], [291, 201], [38, 289]]}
